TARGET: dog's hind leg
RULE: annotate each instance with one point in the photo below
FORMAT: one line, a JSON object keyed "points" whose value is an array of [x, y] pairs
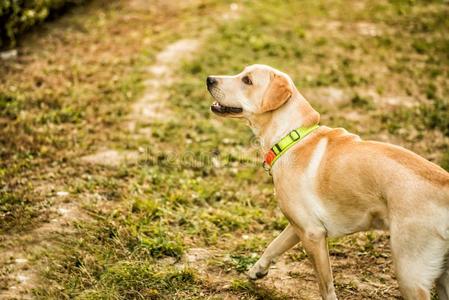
{"points": [[286, 240], [419, 258]]}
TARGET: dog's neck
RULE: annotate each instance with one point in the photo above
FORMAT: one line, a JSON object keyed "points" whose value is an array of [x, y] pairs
{"points": [[271, 127]]}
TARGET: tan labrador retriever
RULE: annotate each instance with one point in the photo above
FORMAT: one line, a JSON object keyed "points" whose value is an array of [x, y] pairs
{"points": [[332, 183]]}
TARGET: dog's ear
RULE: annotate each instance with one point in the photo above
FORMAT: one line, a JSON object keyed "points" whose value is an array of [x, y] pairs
{"points": [[278, 92]]}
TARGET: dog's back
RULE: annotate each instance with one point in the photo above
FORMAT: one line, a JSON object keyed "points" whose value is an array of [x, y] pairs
{"points": [[362, 185]]}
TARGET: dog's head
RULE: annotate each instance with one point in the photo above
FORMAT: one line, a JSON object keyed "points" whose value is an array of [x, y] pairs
{"points": [[258, 89]]}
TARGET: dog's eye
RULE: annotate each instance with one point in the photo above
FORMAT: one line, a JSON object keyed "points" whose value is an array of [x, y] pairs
{"points": [[247, 80]]}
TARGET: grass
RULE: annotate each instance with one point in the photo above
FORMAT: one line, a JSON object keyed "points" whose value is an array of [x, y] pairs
{"points": [[134, 280], [198, 181]]}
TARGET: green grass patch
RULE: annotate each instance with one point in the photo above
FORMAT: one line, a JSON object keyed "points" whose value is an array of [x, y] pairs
{"points": [[433, 115]]}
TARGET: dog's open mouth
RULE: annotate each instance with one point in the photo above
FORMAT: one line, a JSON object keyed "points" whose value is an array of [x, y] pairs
{"points": [[221, 109]]}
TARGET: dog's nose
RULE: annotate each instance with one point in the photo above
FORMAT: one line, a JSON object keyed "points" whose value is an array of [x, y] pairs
{"points": [[211, 81]]}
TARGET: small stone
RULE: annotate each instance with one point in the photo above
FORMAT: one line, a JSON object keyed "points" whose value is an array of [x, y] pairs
{"points": [[22, 278], [7, 55], [216, 162], [368, 29], [62, 193], [21, 260], [63, 211]]}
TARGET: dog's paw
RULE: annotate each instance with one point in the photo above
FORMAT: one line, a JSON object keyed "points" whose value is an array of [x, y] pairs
{"points": [[257, 272]]}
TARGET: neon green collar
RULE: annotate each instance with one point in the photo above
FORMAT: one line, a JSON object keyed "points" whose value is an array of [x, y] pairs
{"points": [[286, 143]]}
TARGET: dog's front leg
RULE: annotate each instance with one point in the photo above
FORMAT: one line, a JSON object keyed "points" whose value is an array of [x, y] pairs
{"points": [[314, 242], [279, 245]]}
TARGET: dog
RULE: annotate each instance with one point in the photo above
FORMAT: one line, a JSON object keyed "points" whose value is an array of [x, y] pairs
{"points": [[331, 183]]}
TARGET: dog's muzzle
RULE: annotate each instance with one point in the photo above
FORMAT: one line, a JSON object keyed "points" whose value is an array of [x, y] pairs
{"points": [[218, 95]]}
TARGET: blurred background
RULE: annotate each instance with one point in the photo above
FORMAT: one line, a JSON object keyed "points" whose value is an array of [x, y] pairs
{"points": [[116, 181]]}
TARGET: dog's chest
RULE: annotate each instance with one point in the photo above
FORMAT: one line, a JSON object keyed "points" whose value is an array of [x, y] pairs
{"points": [[297, 190]]}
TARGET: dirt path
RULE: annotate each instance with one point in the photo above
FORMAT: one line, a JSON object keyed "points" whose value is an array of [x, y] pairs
{"points": [[151, 106]]}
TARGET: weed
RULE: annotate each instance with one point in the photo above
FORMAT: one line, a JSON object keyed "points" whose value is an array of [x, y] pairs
{"points": [[359, 101], [445, 160], [436, 115]]}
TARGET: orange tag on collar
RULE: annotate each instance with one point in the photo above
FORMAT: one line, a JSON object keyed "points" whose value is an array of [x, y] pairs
{"points": [[269, 157]]}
